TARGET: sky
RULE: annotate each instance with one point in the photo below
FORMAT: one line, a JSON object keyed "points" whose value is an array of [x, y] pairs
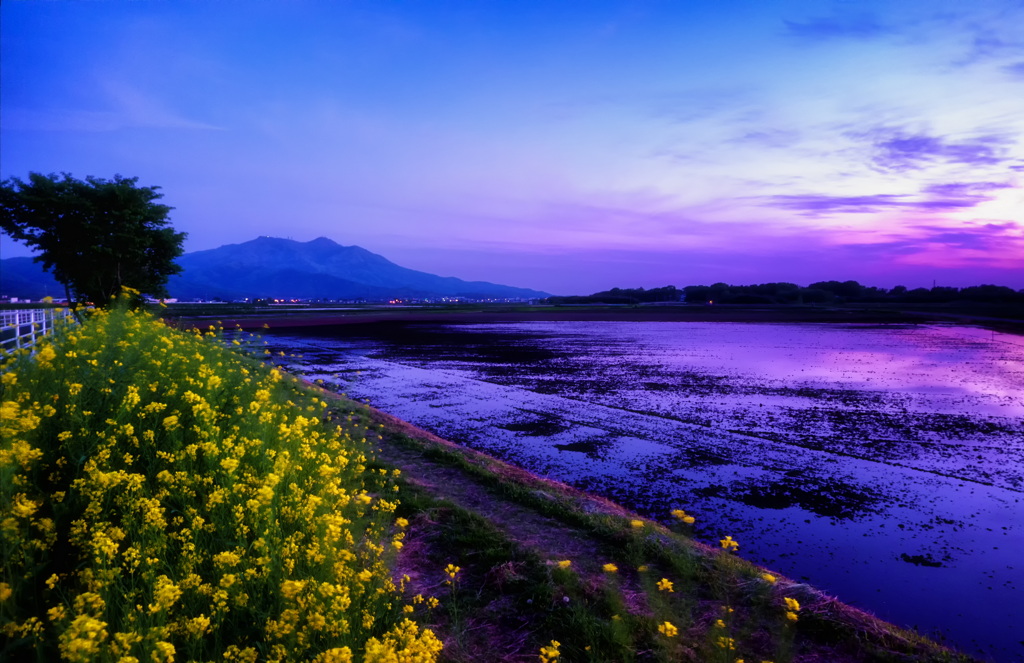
{"points": [[568, 147]]}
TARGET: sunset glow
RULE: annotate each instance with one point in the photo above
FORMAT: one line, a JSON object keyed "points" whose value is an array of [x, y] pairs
{"points": [[563, 147]]}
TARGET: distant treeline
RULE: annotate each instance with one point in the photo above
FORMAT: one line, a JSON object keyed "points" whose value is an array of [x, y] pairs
{"points": [[822, 292]]}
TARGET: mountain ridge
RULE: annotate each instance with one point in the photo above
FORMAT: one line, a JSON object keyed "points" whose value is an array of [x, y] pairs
{"points": [[273, 267]]}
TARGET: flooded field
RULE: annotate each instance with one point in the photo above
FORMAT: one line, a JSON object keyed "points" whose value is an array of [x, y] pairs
{"points": [[882, 464]]}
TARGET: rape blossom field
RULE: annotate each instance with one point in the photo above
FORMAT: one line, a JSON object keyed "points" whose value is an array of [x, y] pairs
{"points": [[164, 498]]}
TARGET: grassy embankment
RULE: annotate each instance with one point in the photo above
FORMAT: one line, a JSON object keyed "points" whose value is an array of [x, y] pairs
{"points": [[164, 496]]}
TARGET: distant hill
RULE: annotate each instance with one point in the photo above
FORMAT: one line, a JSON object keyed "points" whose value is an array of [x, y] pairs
{"points": [[283, 268], [24, 278]]}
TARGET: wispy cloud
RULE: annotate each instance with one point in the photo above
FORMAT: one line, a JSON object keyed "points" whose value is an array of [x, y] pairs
{"points": [[896, 150], [982, 238], [817, 204], [773, 138], [995, 245], [1016, 70], [128, 107], [966, 190]]}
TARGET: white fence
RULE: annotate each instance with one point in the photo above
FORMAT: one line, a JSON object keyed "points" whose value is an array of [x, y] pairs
{"points": [[20, 329]]}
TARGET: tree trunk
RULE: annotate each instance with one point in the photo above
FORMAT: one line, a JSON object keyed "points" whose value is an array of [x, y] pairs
{"points": [[73, 304]]}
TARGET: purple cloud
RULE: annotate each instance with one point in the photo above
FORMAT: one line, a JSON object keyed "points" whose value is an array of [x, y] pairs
{"points": [[965, 190], [981, 238], [934, 197], [815, 204], [898, 151], [862, 26]]}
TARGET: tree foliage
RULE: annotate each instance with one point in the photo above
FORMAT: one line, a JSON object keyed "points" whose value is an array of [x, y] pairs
{"points": [[822, 292], [95, 236]]}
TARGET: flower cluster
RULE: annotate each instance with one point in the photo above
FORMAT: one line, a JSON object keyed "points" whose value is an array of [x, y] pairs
{"points": [[682, 516], [200, 502], [792, 608], [550, 653]]}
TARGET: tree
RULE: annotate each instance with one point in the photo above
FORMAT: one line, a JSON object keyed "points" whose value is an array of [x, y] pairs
{"points": [[96, 236]]}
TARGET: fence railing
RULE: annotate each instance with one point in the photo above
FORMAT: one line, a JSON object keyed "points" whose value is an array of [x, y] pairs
{"points": [[22, 328]]}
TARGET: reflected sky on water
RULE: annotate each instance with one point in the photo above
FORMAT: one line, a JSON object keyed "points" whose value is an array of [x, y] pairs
{"points": [[883, 464]]}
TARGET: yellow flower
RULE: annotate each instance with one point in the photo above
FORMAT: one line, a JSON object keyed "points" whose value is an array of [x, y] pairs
{"points": [[452, 571], [636, 524], [729, 544], [550, 653], [791, 616], [164, 652], [610, 568], [227, 558], [769, 578], [401, 522], [335, 655], [403, 643], [565, 563], [792, 604], [46, 355], [197, 626], [165, 594], [5, 591], [668, 629], [82, 640], [665, 585], [719, 623], [23, 507], [726, 643], [290, 588]]}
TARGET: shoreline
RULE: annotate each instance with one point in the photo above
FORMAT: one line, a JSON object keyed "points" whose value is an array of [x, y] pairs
{"points": [[300, 319]]}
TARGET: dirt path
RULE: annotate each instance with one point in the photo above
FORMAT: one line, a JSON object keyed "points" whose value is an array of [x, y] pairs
{"points": [[552, 539]]}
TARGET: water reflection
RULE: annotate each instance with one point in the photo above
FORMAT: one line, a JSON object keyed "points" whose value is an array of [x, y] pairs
{"points": [[884, 464]]}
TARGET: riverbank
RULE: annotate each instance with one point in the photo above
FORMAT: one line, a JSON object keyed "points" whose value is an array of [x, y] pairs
{"points": [[511, 532], [255, 319]]}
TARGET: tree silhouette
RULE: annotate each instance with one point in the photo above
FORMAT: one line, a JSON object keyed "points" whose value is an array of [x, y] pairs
{"points": [[95, 236]]}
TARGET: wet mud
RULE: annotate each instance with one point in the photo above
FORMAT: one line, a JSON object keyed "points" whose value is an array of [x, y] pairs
{"points": [[881, 463]]}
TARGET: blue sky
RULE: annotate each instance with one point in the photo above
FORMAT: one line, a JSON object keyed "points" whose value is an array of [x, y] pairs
{"points": [[567, 147]]}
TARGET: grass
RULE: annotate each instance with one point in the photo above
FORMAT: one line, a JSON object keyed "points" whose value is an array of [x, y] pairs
{"points": [[669, 599]]}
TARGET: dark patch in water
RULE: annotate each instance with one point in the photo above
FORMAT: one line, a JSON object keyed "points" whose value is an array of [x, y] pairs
{"points": [[536, 428], [920, 560], [582, 447], [700, 458], [830, 498]]}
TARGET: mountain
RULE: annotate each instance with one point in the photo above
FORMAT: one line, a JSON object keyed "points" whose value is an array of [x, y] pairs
{"points": [[24, 278], [284, 269]]}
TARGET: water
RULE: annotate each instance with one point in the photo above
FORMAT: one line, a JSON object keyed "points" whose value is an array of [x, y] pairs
{"points": [[882, 464]]}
